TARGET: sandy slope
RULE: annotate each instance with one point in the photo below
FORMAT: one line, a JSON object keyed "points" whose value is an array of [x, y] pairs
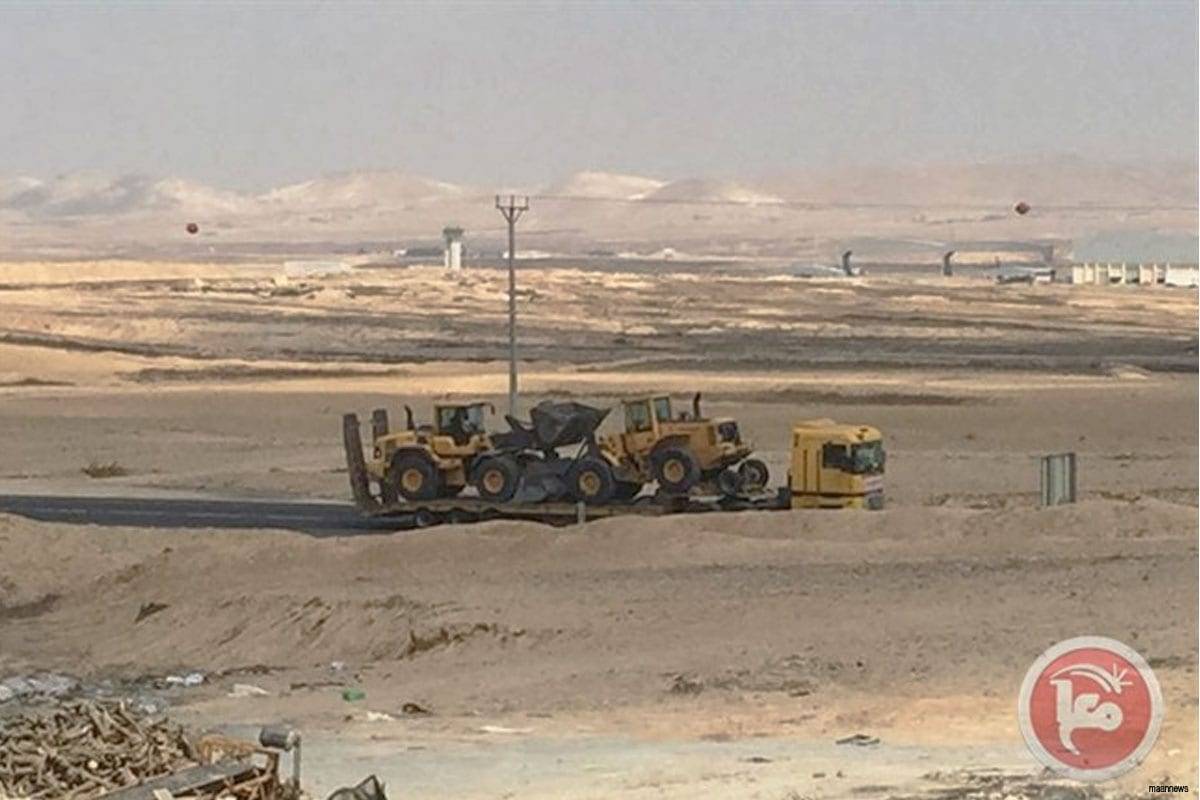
{"points": [[909, 622]]}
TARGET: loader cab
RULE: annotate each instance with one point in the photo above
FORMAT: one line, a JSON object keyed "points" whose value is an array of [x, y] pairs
{"points": [[462, 423], [644, 414], [835, 465]]}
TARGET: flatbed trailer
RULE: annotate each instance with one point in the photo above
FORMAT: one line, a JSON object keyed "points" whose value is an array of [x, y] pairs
{"points": [[472, 508]]}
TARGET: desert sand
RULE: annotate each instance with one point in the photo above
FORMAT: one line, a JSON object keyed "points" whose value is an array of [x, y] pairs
{"points": [[717, 655]]}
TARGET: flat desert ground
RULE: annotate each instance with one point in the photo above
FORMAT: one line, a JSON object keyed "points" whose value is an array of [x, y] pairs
{"points": [[717, 655]]}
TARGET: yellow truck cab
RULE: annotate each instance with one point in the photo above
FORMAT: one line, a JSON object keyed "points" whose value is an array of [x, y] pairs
{"points": [[835, 465]]}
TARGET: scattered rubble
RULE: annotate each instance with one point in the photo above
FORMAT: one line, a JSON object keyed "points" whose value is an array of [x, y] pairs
{"points": [[859, 740], [191, 679], [686, 684], [38, 685], [986, 784]]}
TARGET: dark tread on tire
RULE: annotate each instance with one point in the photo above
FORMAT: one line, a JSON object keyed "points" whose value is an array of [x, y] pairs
{"points": [[691, 470], [507, 468], [431, 481], [607, 485]]}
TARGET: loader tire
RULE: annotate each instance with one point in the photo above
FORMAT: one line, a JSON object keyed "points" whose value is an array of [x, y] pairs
{"points": [[676, 470], [415, 477], [496, 479], [591, 481], [755, 474]]}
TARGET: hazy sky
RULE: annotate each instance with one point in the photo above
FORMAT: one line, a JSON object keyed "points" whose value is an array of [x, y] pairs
{"points": [[250, 96]]}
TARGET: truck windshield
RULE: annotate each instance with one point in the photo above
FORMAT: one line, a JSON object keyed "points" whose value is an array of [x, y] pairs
{"points": [[867, 458], [662, 409]]}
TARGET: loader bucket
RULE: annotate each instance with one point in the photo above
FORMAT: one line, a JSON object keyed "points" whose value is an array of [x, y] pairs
{"points": [[566, 423]]}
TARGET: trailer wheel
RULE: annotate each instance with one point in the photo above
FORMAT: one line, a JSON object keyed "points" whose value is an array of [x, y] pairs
{"points": [[414, 476], [591, 481], [754, 473], [730, 482], [676, 470], [423, 518], [496, 479]]}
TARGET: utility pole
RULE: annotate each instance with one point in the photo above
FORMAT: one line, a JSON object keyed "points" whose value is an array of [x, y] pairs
{"points": [[512, 208]]}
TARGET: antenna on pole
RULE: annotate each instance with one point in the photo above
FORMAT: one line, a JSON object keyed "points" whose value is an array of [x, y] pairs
{"points": [[512, 208]]}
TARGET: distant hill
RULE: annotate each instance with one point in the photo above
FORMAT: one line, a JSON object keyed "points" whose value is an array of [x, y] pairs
{"points": [[360, 190], [712, 191], [605, 185], [1113, 208]]}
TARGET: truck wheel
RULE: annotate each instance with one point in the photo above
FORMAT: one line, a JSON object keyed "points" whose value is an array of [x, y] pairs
{"points": [[626, 490], [496, 479], [730, 482], [591, 481], [415, 477], [755, 474], [676, 470]]}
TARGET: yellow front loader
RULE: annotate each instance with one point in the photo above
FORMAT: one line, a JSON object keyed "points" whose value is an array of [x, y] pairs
{"points": [[682, 450], [425, 462]]}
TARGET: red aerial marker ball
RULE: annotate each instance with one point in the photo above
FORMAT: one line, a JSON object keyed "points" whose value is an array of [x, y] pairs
{"points": [[193, 228], [1021, 208]]}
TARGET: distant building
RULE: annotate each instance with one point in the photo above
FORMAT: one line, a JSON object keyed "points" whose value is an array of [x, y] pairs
{"points": [[452, 255]]}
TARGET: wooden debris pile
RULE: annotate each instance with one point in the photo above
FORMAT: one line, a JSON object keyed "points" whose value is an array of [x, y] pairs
{"points": [[85, 748], [79, 749]]}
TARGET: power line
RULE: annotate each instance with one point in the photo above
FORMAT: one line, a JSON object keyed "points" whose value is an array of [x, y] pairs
{"points": [[512, 209]]}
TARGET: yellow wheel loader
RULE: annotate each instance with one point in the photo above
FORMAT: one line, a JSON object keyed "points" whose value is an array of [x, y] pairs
{"points": [[681, 451], [428, 462], [425, 462]]}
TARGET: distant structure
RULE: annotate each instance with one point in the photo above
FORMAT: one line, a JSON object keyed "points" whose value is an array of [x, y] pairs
{"points": [[452, 256], [947, 267], [1186, 275]]}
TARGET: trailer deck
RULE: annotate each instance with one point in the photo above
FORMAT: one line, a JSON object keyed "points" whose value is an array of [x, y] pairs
{"points": [[469, 508]]}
